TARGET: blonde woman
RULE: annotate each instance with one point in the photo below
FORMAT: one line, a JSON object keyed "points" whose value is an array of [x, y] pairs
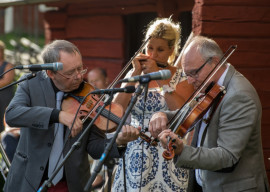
{"points": [[145, 168]]}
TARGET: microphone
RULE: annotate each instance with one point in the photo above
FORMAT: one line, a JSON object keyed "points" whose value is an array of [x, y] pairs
{"points": [[128, 89], [159, 75], [47, 66]]}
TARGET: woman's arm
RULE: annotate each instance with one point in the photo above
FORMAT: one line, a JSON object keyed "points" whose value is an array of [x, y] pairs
{"points": [[8, 77]]}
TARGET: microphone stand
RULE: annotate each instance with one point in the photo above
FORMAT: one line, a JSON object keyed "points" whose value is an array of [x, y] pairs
{"points": [[76, 145], [118, 129]]}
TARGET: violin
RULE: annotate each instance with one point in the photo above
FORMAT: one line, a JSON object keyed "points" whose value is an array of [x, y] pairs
{"points": [[214, 95], [92, 103], [91, 106]]}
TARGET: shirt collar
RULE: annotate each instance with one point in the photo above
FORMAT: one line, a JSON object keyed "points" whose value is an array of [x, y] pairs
{"points": [[54, 87], [221, 79]]}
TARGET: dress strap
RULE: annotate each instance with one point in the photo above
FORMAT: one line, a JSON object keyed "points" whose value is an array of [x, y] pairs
{"points": [[178, 76]]}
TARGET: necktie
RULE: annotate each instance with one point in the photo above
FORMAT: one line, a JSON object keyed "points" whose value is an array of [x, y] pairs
{"points": [[57, 147]]}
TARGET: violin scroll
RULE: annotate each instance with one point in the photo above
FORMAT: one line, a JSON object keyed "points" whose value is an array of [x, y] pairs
{"points": [[169, 154]]}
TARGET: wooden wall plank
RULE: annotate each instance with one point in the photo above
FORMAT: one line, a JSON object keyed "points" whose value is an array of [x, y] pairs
{"points": [[249, 51], [57, 34], [111, 7], [100, 48], [259, 77], [105, 27], [232, 29], [91, 9], [113, 66], [234, 2], [236, 13], [254, 44], [266, 121], [56, 19], [266, 135], [264, 97], [110, 3], [266, 160], [250, 59]]}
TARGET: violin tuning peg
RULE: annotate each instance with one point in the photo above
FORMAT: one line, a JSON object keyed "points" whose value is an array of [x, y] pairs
{"points": [[154, 143]]}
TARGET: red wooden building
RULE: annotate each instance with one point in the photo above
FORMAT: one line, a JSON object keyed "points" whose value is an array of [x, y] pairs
{"points": [[109, 32]]}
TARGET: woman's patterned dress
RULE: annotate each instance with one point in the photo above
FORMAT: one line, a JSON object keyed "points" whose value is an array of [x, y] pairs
{"points": [[145, 168]]}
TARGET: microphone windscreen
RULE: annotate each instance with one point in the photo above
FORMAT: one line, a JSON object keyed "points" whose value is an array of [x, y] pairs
{"points": [[130, 89], [165, 74], [59, 66]]}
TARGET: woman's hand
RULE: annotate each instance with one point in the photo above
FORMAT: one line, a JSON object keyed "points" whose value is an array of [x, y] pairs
{"points": [[136, 63], [149, 66]]}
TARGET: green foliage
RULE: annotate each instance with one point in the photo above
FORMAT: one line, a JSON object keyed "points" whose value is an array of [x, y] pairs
{"points": [[40, 40]]}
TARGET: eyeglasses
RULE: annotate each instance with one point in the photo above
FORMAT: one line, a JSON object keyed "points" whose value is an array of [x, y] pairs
{"points": [[194, 73], [72, 76]]}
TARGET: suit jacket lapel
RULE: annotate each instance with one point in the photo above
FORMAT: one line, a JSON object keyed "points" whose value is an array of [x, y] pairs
{"points": [[229, 75], [48, 93]]}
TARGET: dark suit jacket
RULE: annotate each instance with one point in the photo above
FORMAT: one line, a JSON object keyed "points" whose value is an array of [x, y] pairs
{"points": [[31, 109], [231, 157]]}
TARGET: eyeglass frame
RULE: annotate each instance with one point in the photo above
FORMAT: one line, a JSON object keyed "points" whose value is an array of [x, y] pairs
{"points": [[82, 72], [196, 71]]}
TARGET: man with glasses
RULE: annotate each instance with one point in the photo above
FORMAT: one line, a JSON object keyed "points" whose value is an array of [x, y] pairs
{"points": [[47, 133], [226, 151]]}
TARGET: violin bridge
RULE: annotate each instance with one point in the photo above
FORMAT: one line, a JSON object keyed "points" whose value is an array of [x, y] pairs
{"points": [[89, 104]]}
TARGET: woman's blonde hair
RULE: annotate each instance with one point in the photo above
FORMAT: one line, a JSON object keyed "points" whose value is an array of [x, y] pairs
{"points": [[166, 29]]}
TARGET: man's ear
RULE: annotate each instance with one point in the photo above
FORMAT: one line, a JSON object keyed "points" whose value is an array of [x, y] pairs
{"points": [[50, 74]]}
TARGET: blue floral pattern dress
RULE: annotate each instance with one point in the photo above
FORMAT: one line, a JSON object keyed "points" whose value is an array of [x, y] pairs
{"points": [[145, 168]]}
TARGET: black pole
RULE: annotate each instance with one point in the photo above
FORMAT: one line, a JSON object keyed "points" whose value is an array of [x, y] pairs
{"points": [[109, 146]]}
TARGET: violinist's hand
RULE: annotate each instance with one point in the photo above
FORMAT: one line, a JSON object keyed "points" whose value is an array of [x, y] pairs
{"points": [[158, 123], [127, 134], [67, 119], [177, 142]]}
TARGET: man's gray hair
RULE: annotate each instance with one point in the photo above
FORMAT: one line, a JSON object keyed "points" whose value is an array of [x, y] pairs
{"points": [[51, 52], [207, 47]]}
